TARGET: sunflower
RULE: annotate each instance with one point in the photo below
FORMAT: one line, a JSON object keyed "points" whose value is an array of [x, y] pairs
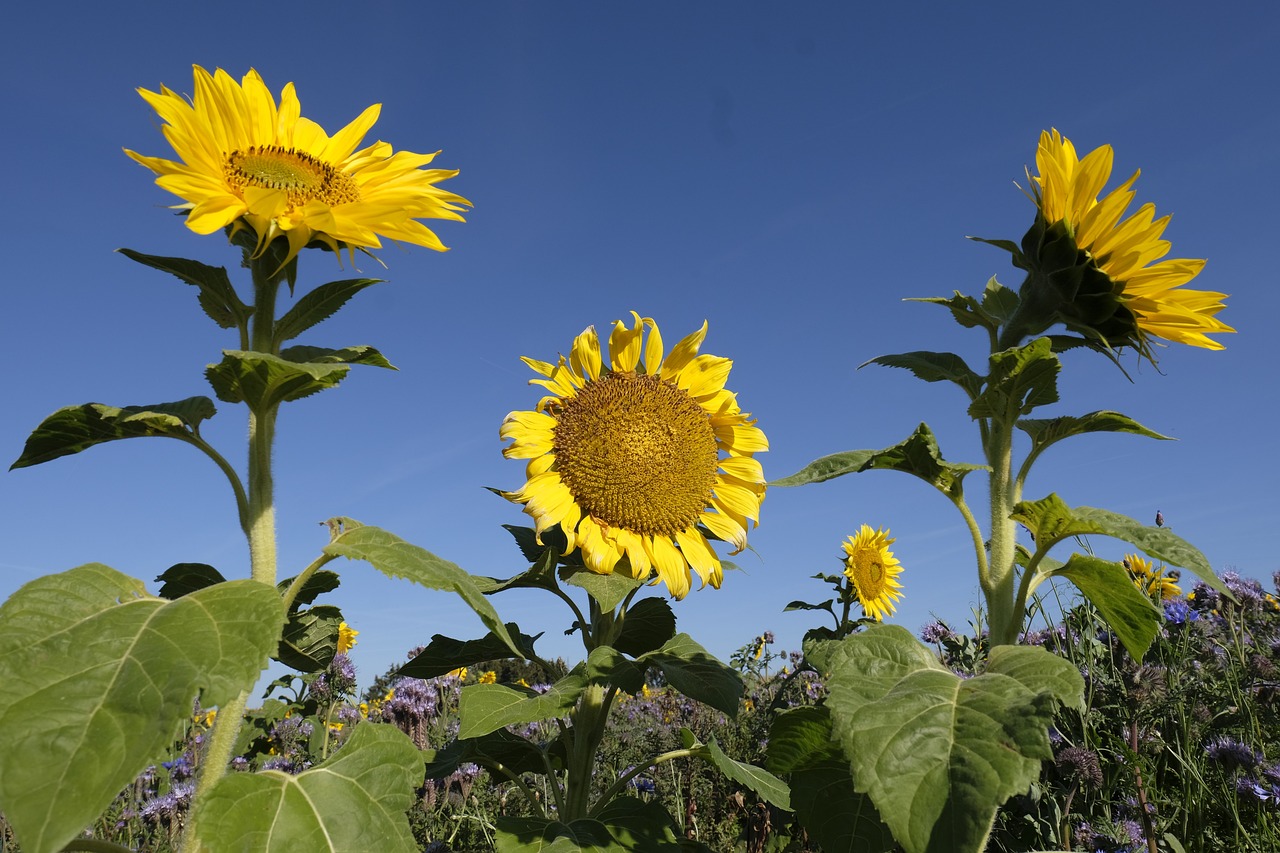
{"points": [[248, 164], [1154, 583], [639, 464], [1118, 288], [873, 571], [346, 638]]}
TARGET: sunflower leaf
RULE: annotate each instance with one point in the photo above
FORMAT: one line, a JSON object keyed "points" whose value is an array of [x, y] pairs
{"points": [[318, 305], [217, 297], [445, 654], [1050, 520], [263, 380], [967, 310], [75, 428], [936, 753], [693, 671], [828, 468], [1021, 379], [999, 302], [374, 776], [934, 367], [182, 578], [919, 455], [396, 558], [648, 624], [318, 584], [822, 793], [484, 708], [309, 641], [1046, 431], [608, 590], [606, 665], [97, 677], [1130, 614], [768, 787], [498, 748], [363, 354]]}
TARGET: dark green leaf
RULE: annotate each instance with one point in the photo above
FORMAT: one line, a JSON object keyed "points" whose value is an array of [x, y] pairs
{"points": [[1131, 614], [607, 666], [499, 748], [485, 708], [310, 638], [97, 677], [541, 575], [178, 580], [999, 302], [445, 654], [919, 455], [527, 541], [217, 297], [800, 738], [264, 380], [1020, 380], [934, 367], [834, 814], [967, 310], [76, 428], [319, 583], [648, 624], [396, 558], [355, 801], [543, 835], [804, 605], [1046, 431], [693, 671], [827, 468], [318, 305], [363, 354]]}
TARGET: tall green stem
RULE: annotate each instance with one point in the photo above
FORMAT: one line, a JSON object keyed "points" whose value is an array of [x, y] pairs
{"points": [[999, 585]]}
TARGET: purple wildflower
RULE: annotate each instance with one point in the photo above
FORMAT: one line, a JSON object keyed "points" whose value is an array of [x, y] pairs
{"points": [[1178, 612], [936, 632], [1232, 754]]}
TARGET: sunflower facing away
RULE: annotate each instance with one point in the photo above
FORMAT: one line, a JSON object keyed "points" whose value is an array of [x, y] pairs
{"points": [[1127, 253], [1155, 583], [246, 163], [638, 463], [873, 571]]}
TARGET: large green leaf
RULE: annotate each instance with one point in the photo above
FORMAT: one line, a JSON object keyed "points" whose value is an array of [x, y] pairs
{"points": [[648, 624], [98, 675], [693, 671], [445, 654], [919, 455], [968, 311], [396, 558], [1051, 521], [318, 305], [1046, 431], [1021, 379], [75, 428], [262, 380], [934, 367], [768, 787], [938, 754], [608, 590], [217, 297], [183, 578], [309, 640], [485, 708], [608, 666], [355, 801], [822, 793], [1130, 613]]}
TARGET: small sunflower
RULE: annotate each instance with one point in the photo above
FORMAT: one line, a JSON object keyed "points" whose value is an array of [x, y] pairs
{"points": [[627, 457], [346, 638], [1107, 273], [246, 163], [873, 571], [1155, 583]]}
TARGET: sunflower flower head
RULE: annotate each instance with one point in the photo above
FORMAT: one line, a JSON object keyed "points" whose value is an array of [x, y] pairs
{"points": [[873, 571], [1100, 274], [346, 638], [641, 457], [1157, 584], [251, 165]]}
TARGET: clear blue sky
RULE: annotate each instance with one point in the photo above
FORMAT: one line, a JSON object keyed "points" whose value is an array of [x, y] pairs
{"points": [[789, 172]]}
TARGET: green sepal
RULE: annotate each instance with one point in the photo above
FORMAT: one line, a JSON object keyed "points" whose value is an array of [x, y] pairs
{"points": [[648, 624], [75, 428], [1130, 614], [98, 677], [499, 748], [182, 578], [934, 367], [606, 665], [1021, 379], [216, 295], [445, 654], [693, 671], [396, 558], [1050, 520], [608, 590], [485, 708], [1046, 431], [317, 306], [822, 792], [936, 753], [356, 800]]}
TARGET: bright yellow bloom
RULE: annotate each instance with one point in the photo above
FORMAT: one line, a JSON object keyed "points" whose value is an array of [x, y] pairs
{"points": [[489, 677], [873, 571], [627, 457], [336, 727], [206, 719], [460, 673], [1153, 582], [1128, 253], [246, 163], [346, 638]]}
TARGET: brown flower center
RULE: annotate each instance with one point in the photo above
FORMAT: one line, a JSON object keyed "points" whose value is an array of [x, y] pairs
{"points": [[303, 177], [637, 453]]}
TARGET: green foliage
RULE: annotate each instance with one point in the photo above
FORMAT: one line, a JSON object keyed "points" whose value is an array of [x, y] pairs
{"points": [[934, 367], [1046, 431], [445, 654], [98, 675], [689, 668], [75, 428], [1021, 379], [1125, 608], [262, 380], [360, 794], [936, 753], [317, 305], [486, 708], [648, 625], [217, 297]]}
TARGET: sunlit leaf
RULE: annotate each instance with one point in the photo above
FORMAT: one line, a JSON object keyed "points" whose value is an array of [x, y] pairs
{"points": [[216, 295], [75, 428], [485, 708], [828, 468], [608, 590], [1125, 608], [1046, 431], [693, 671], [1020, 380]]}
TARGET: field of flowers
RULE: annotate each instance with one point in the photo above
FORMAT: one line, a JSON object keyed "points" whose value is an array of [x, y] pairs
{"points": [[1177, 752]]}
